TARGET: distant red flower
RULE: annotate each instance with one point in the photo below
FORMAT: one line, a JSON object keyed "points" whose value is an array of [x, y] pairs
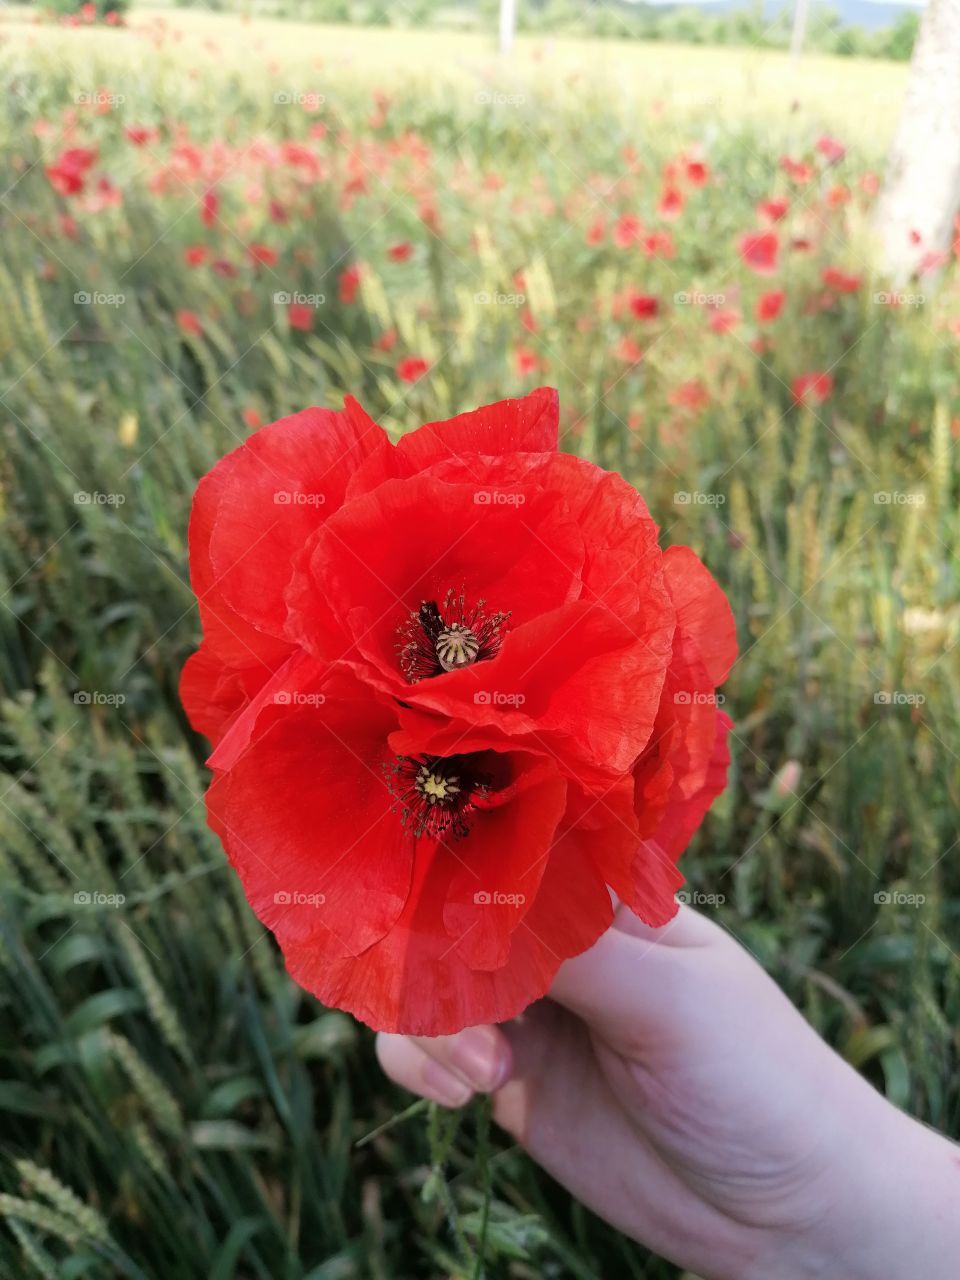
{"points": [[800, 172], [832, 150], [68, 173], [835, 278], [671, 202], [402, 251], [643, 305], [597, 231], [628, 350], [724, 320], [252, 419], [209, 208], [139, 135], [349, 283], [689, 395], [262, 254], [760, 250], [526, 360], [387, 340], [769, 305], [812, 388], [411, 368], [658, 244], [195, 255], [627, 230], [482, 774], [189, 322], [300, 316], [775, 209], [697, 173]]}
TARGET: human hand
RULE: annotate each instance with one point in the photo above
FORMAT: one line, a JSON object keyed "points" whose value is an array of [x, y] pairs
{"points": [[675, 1090]]}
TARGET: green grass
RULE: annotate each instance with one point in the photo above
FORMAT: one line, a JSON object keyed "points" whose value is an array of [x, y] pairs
{"points": [[172, 1105]]}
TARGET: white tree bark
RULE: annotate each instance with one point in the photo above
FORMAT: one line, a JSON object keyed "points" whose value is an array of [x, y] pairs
{"points": [[799, 33], [921, 192], [508, 22]]}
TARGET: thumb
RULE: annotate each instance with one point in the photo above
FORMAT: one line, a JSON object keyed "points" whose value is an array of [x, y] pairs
{"points": [[636, 978]]}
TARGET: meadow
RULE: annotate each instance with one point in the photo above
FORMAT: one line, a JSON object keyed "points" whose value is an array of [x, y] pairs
{"points": [[208, 222]]}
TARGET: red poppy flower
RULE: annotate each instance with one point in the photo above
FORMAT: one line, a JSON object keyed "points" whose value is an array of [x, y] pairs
{"points": [[400, 252], [774, 209], [209, 208], [835, 278], [769, 305], [262, 255], [812, 388], [412, 368], [349, 283], [760, 250], [643, 305], [68, 174], [189, 322], [300, 316], [457, 694], [832, 150], [195, 255], [627, 230]]}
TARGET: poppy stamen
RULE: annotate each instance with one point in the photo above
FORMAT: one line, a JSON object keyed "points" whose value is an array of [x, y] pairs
{"points": [[434, 641], [435, 795]]}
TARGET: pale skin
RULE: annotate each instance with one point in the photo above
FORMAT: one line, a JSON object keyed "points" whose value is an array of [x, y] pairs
{"points": [[676, 1091]]}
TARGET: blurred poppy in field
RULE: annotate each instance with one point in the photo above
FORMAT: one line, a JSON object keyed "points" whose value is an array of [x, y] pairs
{"points": [[723, 319], [841, 281], [300, 316], [195, 255], [411, 368], [189, 322], [627, 231], [769, 305], [209, 208], [457, 694], [139, 135], [349, 283], [643, 305], [68, 173], [671, 202], [831, 149], [797, 170], [775, 209], [760, 250], [402, 251], [262, 255], [812, 388]]}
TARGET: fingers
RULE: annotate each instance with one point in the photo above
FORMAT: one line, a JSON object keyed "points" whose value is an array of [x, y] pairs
{"points": [[447, 1069], [636, 980]]}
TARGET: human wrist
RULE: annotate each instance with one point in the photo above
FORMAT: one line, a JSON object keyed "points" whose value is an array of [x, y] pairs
{"points": [[891, 1207]]}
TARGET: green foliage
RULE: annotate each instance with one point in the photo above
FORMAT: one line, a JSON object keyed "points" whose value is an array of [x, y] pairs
{"points": [[171, 1104]]}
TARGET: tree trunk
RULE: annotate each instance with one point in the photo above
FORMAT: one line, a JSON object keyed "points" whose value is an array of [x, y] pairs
{"points": [[921, 193]]}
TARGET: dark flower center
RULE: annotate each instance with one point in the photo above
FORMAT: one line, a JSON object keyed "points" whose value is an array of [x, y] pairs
{"points": [[434, 639], [435, 794]]}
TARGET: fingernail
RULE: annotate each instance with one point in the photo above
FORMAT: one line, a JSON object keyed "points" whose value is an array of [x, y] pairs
{"points": [[480, 1054], [444, 1087]]}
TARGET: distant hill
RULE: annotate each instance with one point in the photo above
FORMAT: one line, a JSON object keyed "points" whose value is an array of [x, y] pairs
{"points": [[853, 13]]}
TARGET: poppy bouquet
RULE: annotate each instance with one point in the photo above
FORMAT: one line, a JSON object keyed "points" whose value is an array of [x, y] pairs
{"points": [[457, 695]]}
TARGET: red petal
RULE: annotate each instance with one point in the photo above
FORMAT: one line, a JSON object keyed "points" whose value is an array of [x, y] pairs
{"points": [[305, 815], [284, 482], [703, 611], [527, 425]]}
